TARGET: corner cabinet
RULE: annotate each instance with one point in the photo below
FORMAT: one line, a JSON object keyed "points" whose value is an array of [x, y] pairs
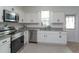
{"points": [[51, 37]]}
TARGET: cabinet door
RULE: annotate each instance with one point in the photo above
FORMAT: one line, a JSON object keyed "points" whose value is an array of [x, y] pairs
{"points": [[1, 14], [25, 37], [21, 16], [58, 17], [27, 18], [34, 17], [5, 48], [51, 37], [45, 37], [19, 11], [31, 18], [62, 37], [41, 37], [1, 19]]}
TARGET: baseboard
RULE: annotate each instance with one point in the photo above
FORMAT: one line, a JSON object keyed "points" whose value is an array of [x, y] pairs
{"points": [[72, 42], [51, 43], [32, 42]]}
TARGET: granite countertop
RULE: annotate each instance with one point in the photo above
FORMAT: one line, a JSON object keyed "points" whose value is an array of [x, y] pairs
{"points": [[45, 29], [6, 32], [4, 37]]}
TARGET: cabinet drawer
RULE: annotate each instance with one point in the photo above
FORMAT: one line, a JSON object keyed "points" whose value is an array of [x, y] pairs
{"points": [[5, 48], [4, 41]]}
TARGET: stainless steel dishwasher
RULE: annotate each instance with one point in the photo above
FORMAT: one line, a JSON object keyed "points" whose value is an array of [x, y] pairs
{"points": [[32, 36]]}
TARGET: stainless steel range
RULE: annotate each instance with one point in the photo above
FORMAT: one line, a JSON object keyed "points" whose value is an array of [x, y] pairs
{"points": [[17, 41]]}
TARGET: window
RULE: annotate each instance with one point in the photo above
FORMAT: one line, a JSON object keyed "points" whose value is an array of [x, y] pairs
{"points": [[45, 17], [70, 22]]}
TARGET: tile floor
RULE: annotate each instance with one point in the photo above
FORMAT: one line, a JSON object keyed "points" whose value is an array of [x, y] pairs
{"points": [[45, 48], [74, 46]]}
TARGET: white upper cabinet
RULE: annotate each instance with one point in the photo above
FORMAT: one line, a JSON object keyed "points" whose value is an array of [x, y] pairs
{"points": [[31, 17], [1, 14], [1, 19], [57, 17], [21, 14]]}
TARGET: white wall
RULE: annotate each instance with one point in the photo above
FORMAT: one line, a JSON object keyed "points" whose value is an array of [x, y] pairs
{"points": [[72, 35]]}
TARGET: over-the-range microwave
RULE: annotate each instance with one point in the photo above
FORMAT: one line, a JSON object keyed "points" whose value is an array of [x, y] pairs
{"points": [[9, 16]]}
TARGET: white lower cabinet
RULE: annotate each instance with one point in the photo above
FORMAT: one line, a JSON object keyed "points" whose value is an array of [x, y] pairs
{"points": [[25, 37], [5, 45], [5, 48], [51, 37]]}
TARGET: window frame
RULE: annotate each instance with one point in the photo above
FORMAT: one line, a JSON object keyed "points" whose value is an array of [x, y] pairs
{"points": [[74, 22], [44, 18]]}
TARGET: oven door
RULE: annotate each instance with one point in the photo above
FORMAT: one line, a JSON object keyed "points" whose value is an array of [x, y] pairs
{"points": [[17, 44]]}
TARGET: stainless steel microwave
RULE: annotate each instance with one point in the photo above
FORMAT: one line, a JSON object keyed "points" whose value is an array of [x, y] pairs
{"points": [[9, 16]]}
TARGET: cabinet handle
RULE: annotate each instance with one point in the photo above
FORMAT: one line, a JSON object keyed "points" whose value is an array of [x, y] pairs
{"points": [[4, 41], [45, 35], [60, 36]]}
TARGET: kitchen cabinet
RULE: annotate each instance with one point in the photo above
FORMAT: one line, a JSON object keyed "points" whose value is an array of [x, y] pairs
{"points": [[5, 45], [1, 19], [1, 14], [5, 48], [20, 16], [57, 17], [57, 20], [20, 12], [26, 36], [51, 37], [31, 18]]}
